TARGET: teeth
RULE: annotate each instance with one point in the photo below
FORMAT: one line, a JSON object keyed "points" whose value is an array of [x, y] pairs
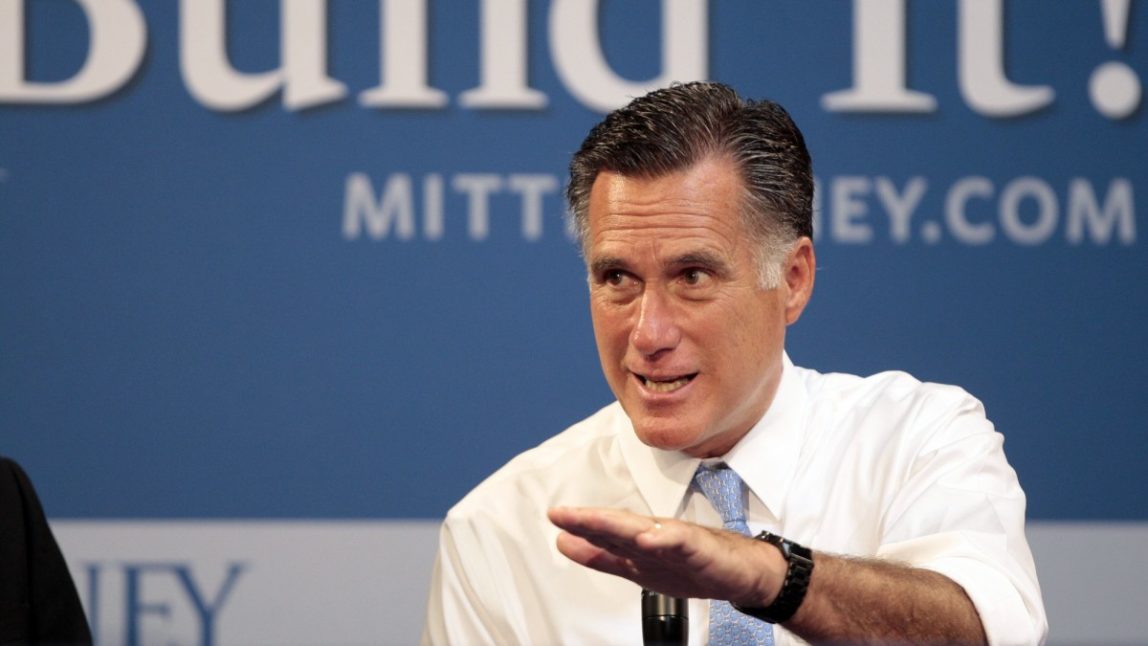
{"points": [[665, 386]]}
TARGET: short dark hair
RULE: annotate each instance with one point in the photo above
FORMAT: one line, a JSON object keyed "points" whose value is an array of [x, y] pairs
{"points": [[674, 128]]}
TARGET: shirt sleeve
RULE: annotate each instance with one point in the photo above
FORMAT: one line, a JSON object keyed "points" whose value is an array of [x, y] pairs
{"points": [[469, 601], [961, 513]]}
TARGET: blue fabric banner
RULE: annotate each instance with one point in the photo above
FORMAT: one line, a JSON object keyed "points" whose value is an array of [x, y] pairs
{"points": [[280, 260]]}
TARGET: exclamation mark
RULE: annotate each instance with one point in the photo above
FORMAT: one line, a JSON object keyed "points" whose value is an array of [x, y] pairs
{"points": [[1114, 87]]}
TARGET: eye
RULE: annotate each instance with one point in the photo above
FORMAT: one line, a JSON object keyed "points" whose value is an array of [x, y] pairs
{"points": [[695, 276], [614, 277], [616, 285]]}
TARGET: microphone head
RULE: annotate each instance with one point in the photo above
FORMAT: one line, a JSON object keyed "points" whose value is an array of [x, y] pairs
{"points": [[665, 620], [656, 604]]}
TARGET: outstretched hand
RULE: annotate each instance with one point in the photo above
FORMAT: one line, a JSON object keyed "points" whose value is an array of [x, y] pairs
{"points": [[673, 557], [861, 600]]}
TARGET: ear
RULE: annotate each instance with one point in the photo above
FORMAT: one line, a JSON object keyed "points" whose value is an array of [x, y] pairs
{"points": [[800, 268]]}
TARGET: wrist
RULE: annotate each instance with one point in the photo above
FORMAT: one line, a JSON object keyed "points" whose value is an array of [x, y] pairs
{"points": [[781, 597], [772, 568]]}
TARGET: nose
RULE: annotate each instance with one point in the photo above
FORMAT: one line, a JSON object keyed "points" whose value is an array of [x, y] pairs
{"points": [[657, 330]]}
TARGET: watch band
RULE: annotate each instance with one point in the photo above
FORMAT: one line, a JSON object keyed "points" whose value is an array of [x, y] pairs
{"points": [[800, 560]]}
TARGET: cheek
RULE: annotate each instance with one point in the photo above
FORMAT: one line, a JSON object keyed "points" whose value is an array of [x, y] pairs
{"points": [[611, 326], [755, 338], [611, 338]]}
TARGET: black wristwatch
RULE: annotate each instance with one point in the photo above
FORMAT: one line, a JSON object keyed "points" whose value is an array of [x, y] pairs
{"points": [[792, 593]]}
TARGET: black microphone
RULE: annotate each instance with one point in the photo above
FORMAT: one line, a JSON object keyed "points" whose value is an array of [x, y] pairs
{"points": [[665, 620]]}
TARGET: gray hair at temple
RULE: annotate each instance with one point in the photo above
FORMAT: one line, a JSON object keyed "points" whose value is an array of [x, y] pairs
{"points": [[674, 128]]}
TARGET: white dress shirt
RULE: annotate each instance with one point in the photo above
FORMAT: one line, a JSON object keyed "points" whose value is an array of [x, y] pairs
{"points": [[884, 466]]}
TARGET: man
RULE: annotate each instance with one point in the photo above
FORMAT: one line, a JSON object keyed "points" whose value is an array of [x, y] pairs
{"points": [[888, 509]]}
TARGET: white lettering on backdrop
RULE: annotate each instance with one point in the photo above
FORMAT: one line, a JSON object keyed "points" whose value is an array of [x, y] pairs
{"points": [[119, 38], [848, 209], [880, 58]]}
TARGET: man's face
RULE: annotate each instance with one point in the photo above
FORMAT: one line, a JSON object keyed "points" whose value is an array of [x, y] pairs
{"points": [[689, 341]]}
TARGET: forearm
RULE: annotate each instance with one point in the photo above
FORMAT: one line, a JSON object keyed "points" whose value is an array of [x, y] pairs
{"points": [[871, 601], [849, 600]]}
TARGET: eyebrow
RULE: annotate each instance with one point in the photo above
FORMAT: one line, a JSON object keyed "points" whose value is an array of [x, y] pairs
{"points": [[701, 258], [606, 263], [698, 258]]}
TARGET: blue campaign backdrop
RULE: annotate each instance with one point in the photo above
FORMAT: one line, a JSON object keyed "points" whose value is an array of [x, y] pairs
{"points": [[197, 319]]}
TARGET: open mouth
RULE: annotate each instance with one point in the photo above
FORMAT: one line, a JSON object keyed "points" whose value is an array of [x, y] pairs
{"points": [[665, 385]]}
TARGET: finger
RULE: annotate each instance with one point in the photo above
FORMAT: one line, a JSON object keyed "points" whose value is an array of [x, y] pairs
{"points": [[618, 547], [613, 524], [636, 537], [617, 532], [628, 535], [666, 536], [585, 553]]}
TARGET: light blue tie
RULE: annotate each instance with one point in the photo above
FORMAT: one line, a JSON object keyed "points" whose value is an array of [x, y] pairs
{"points": [[727, 493]]}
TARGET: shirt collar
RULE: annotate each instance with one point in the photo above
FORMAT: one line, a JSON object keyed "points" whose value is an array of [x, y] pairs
{"points": [[662, 477], [765, 458]]}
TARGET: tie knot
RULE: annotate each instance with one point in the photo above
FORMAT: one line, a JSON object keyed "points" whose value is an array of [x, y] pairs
{"points": [[726, 492]]}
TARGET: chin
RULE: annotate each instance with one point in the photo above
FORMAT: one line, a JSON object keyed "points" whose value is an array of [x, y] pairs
{"points": [[671, 437]]}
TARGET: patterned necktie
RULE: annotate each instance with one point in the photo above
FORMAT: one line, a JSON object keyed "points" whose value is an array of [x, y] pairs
{"points": [[727, 493]]}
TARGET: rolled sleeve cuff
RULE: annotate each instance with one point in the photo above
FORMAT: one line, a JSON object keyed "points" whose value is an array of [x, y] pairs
{"points": [[1001, 608]]}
